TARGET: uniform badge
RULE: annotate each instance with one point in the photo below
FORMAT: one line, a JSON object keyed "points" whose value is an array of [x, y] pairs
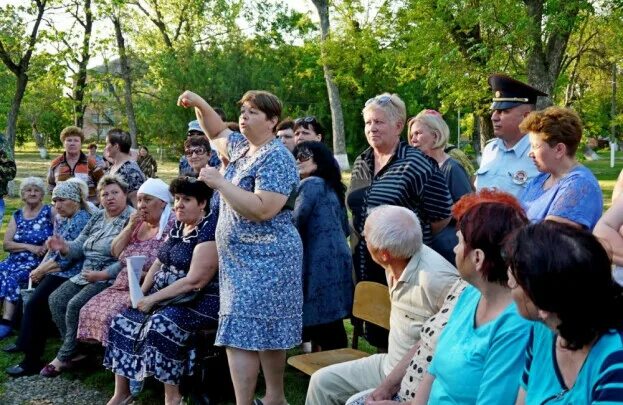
{"points": [[520, 177], [497, 94]]}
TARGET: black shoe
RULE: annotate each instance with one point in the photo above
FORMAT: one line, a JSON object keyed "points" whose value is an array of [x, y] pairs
{"points": [[12, 348], [20, 371]]}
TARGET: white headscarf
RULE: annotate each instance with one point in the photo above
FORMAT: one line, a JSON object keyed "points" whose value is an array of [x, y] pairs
{"points": [[159, 189]]}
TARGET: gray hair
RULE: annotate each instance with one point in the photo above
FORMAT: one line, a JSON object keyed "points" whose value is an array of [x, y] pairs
{"points": [[32, 181], [395, 229], [112, 179], [435, 123], [391, 104]]}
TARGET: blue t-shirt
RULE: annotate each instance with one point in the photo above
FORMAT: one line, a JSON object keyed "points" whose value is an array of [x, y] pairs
{"points": [[576, 197], [600, 380], [479, 365]]}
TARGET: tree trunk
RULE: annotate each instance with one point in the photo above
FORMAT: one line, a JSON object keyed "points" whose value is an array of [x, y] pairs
{"points": [[337, 117], [81, 80], [486, 129], [11, 124], [547, 50], [127, 80]]}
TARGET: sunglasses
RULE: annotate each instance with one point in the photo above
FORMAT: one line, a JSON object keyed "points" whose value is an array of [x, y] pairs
{"points": [[199, 151], [307, 120], [380, 100], [304, 155]]}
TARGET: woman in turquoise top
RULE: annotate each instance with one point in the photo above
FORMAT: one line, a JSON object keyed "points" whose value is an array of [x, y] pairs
{"points": [[564, 191], [480, 353], [575, 352]]}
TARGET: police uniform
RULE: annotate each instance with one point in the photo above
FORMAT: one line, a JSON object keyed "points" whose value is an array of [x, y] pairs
{"points": [[508, 169]]}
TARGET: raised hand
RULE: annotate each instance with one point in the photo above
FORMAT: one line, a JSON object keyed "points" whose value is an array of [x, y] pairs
{"points": [[212, 177], [188, 99], [56, 243]]}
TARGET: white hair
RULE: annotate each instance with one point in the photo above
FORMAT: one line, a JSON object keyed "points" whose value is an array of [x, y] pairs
{"points": [[32, 181], [395, 229], [436, 124]]}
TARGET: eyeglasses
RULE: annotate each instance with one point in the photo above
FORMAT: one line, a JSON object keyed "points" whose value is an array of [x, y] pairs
{"points": [[304, 155], [199, 151], [380, 100], [432, 112], [307, 120]]}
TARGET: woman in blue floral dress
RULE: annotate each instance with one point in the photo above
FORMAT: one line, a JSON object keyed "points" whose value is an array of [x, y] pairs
{"points": [[26, 234], [142, 343], [260, 251]]}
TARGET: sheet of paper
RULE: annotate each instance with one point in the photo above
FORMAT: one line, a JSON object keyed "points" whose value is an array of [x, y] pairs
{"points": [[135, 267]]}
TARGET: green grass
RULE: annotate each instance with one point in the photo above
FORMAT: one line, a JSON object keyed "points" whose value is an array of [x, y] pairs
{"points": [[93, 375]]}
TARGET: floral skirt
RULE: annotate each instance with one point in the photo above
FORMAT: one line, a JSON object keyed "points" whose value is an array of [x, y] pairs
{"points": [[161, 348]]}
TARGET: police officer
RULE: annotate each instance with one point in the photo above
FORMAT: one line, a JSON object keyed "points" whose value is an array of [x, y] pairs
{"points": [[505, 162]]}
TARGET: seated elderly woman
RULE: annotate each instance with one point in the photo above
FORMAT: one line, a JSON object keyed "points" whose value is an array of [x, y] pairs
{"points": [[565, 191], [144, 235], [575, 350], [402, 384], [99, 269], [24, 239], [73, 213], [429, 133], [181, 296], [480, 353]]}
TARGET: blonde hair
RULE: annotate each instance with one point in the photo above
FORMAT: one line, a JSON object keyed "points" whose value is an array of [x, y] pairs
{"points": [[435, 123], [72, 131], [391, 104]]}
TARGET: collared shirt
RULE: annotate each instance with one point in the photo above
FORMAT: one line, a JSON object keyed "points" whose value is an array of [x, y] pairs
{"points": [[85, 169], [417, 295], [410, 179], [507, 169]]}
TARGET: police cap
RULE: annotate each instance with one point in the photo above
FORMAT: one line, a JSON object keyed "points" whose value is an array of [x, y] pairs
{"points": [[509, 93]]}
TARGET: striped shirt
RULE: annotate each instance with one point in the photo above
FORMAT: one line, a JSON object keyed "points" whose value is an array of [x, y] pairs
{"points": [[599, 381], [410, 179]]}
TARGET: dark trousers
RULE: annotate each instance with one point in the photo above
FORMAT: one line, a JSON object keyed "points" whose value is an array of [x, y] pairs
{"points": [[37, 320], [328, 336]]}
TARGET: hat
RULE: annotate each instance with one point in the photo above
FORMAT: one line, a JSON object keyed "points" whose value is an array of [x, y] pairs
{"points": [[160, 190], [194, 126], [67, 190], [509, 93]]}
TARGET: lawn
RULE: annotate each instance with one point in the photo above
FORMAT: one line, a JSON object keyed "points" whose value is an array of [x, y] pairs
{"points": [[29, 164]]}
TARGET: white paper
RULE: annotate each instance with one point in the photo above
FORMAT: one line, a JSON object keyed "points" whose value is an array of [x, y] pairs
{"points": [[134, 268]]}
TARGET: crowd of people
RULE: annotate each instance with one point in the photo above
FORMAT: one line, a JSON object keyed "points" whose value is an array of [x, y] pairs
{"points": [[500, 292]]}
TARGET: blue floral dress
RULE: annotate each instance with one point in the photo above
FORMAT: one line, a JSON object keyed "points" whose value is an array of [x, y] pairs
{"points": [[260, 263], [16, 268], [160, 347]]}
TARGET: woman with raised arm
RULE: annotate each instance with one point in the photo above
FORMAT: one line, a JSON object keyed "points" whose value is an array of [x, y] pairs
{"points": [[260, 251]]}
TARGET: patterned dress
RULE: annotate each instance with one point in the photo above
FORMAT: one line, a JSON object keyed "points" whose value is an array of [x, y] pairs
{"points": [[96, 315], [160, 347], [131, 173], [16, 268], [260, 262]]}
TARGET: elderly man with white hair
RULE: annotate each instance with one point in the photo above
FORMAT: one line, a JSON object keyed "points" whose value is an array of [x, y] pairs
{"points": [[418, 279]]}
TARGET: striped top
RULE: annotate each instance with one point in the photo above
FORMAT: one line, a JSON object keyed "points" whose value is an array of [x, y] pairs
{"points": [[410, 179], [600, 380]]}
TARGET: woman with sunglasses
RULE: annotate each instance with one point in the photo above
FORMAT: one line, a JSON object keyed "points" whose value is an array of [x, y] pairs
{"points": [[320, 216], [575, 350], [390, 172], [197, 150], [259, 248], [429, 132], [307, 129]]}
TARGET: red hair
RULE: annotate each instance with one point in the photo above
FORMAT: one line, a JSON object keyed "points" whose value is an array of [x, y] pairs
{"points": [[486, 218]]}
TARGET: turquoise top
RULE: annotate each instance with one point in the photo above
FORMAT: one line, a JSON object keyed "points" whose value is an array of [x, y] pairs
{"points": [[479, 365], [600, 380]]}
